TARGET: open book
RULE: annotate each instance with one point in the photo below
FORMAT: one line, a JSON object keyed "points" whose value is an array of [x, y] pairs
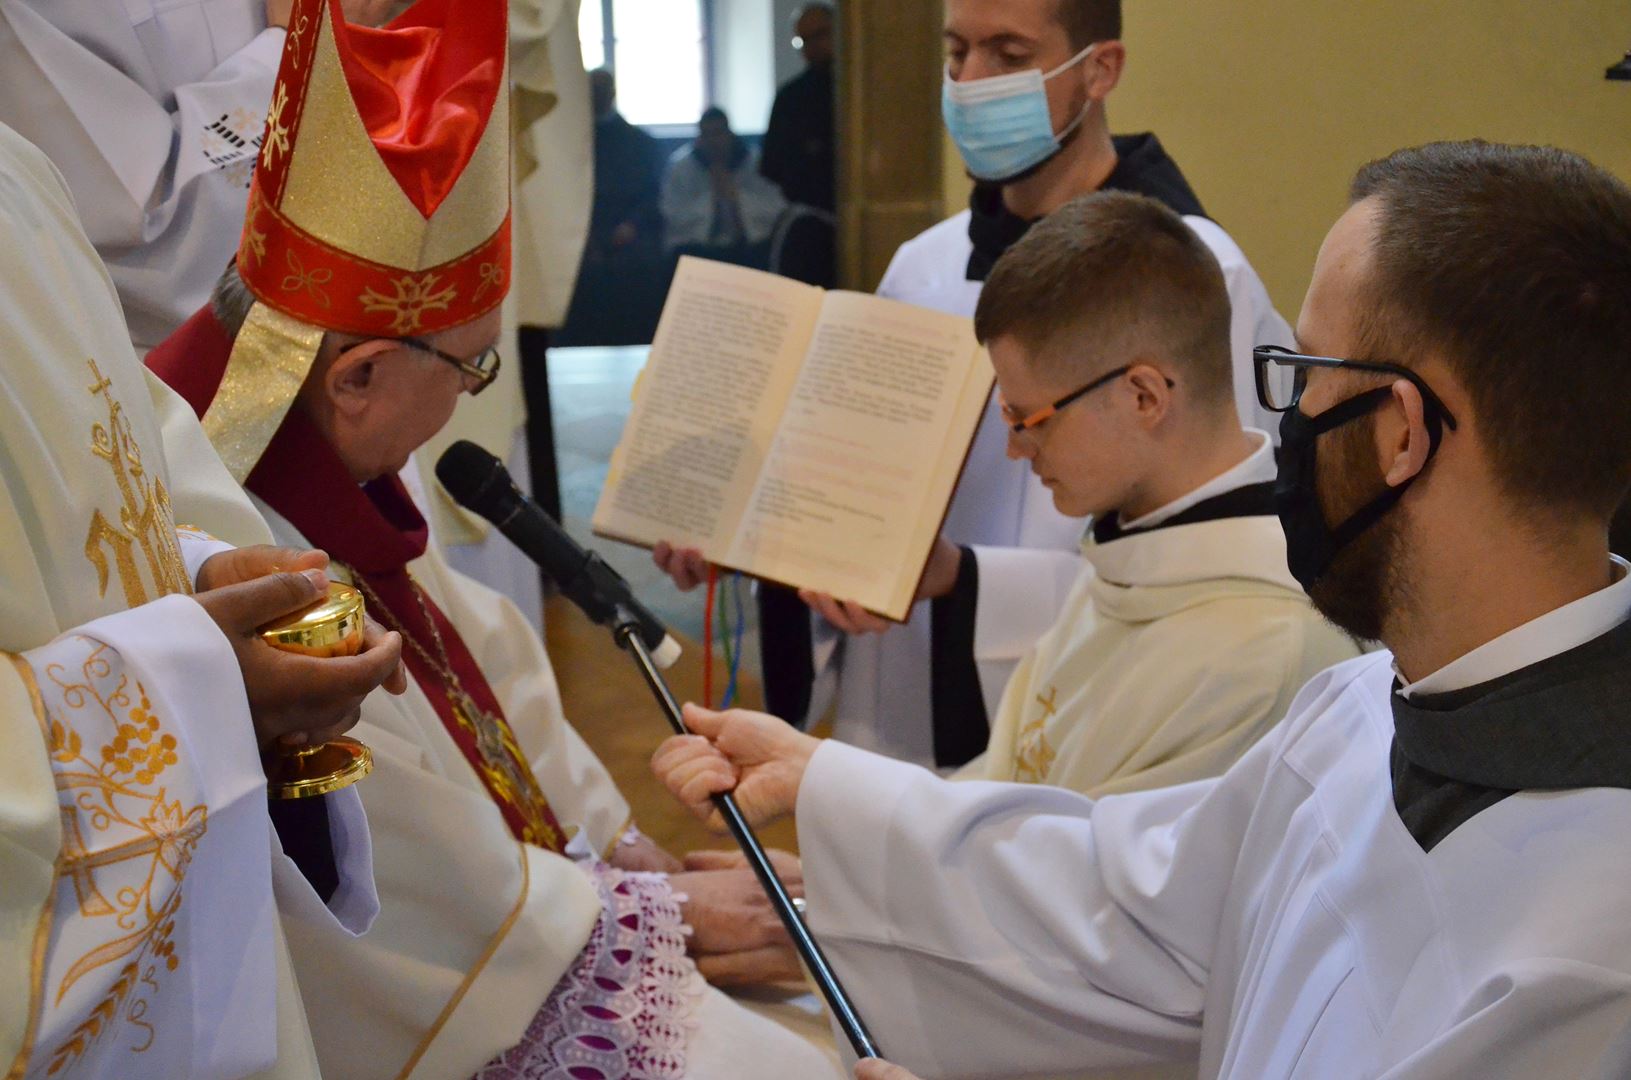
{"points": [[801, 436]]}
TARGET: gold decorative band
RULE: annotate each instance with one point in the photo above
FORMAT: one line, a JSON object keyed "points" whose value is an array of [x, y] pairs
{"points": [[270, 359]]}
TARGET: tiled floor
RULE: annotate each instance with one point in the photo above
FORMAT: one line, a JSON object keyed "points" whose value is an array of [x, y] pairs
{"points": [[590, 390]]}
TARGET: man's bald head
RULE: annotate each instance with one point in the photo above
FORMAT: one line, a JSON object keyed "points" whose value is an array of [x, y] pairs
{"points": [[813, 33]]}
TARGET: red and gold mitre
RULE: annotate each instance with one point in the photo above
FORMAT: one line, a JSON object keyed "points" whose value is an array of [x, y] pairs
{"points": [[381, 202]]}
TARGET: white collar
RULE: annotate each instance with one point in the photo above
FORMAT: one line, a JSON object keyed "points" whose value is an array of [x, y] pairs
{"points": [[1248, 549], [1258, 467], [1555, 632]]}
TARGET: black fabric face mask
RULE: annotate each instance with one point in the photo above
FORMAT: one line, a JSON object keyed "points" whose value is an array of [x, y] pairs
{"points": [[1311, 545]]}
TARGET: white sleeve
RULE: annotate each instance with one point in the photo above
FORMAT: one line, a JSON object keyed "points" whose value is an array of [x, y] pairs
{"points": [[687, 203], [1022, 591], [196, 549], [128, 159], [1547, 1017], [165, 863], [992, 929], [762, 202], [355, 902]]}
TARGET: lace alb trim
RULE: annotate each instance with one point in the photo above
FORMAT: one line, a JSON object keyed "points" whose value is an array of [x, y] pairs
{"points": [[625, 1008]]}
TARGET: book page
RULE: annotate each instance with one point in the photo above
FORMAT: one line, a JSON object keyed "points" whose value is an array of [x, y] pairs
{"points": [[966, 417], [722, 364], [862, 441]]}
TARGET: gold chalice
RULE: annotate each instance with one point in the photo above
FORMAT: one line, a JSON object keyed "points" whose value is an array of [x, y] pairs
{"points": [[330, 627]]}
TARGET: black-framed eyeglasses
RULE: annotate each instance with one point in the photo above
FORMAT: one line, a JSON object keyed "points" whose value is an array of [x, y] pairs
{"points": [[479, 372], [1027, 423], [1282, 376], [482, 370]]}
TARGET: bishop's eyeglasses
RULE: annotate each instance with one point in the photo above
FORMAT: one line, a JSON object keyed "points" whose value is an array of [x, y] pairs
{"points": [[481, 370]]}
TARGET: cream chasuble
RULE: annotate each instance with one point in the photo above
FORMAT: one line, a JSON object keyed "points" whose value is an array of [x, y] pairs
{"points": [[1176, 650], [137, 863], [475, 928]]}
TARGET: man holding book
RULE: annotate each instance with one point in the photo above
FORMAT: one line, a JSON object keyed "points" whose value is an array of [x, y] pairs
{"points": [[910, 690], [518, 932], [1422, 872]]}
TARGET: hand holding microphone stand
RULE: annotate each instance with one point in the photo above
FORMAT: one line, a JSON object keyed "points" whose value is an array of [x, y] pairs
{"points": [[478, 481]]}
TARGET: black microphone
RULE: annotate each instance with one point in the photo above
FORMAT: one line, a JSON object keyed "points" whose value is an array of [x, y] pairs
{"points": [[479, 482]]}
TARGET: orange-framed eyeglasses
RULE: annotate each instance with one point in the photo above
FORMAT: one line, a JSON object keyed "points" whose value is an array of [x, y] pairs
{"points": [[1026, 423]]}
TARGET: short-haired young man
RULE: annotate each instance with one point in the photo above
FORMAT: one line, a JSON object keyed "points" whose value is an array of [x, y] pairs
{"points": [[1184, 637], [912, 691], [1423, 872]]}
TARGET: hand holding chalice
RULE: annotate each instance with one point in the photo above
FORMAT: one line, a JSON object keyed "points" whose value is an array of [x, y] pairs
{"points": [[309, 655]]}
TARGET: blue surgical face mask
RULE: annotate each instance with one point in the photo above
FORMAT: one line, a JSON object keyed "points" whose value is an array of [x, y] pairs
{"points": [[1001, 124]]}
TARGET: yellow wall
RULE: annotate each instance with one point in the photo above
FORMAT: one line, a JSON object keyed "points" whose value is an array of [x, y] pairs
{"points": [[1270, 105]]}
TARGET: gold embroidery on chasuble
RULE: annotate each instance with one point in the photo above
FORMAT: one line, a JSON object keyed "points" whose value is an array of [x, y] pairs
{"points": [[126, 847], [1033, 755], [498, 760], [143, 522]]}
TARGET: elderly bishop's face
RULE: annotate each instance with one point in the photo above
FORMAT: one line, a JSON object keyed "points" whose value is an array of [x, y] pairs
{"points": [[378, 406]]}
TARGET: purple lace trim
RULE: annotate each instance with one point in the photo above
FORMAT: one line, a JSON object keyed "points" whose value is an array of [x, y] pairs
{"points": [[624, 1009]]}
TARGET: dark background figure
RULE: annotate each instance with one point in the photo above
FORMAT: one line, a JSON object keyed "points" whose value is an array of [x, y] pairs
{"points": [[622, 280], [799, 148], [715, 202], [800, 156]]}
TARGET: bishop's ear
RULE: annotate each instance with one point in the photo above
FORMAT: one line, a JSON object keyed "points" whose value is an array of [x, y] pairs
{"points": [[353, 376]]}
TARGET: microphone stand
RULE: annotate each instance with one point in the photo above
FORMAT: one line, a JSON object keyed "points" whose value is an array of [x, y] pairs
{"points": [[627, 632]]}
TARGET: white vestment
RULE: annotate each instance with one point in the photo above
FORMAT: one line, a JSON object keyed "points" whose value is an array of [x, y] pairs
{"points": [[475, 929], [1280, 921], [138, 931], [153, 110], [881, 682]]}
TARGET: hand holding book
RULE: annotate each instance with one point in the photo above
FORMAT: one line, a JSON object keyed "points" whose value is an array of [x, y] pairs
{"points": [[808, 438], [688, 568]]}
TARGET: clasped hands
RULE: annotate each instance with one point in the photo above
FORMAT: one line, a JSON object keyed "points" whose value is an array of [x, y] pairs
{"points": [[687, 568], [293, 699], [736, 937]]}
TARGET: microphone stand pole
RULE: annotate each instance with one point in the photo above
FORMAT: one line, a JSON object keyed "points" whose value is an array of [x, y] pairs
{"points": [[627, 633]]}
